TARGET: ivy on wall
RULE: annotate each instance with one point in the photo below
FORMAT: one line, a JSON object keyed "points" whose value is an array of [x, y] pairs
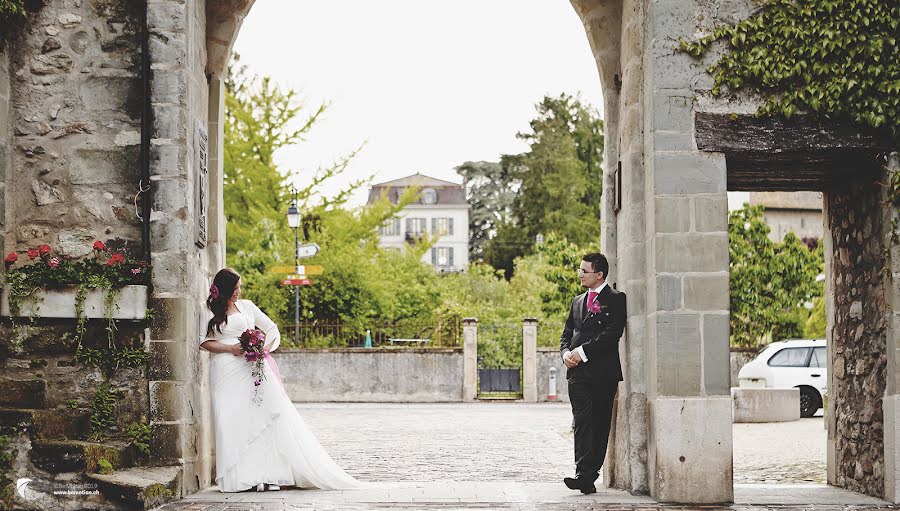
{"points": [[837, 58], [11, 12]]}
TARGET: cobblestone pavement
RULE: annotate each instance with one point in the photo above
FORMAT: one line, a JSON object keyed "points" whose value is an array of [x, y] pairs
{"points": [[512, 456]]}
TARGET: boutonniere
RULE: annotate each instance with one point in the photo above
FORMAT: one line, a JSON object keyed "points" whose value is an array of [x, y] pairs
{"points": [[594, 308]]}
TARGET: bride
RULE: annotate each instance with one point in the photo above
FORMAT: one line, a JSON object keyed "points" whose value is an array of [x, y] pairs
{"points": [[261, 440]]}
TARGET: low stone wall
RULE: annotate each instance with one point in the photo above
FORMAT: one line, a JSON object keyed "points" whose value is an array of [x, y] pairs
{"points": [[766, 405], [372, 375], [547, 358], [739, 358]]}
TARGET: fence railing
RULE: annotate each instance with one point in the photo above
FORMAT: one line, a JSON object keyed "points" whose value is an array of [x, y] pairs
{"points": [[397, 334]]}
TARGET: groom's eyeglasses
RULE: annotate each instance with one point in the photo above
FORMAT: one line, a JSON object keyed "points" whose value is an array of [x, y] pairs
{"points": [[581, 271]]}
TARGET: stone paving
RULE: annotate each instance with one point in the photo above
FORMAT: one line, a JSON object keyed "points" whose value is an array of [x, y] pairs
{"points": [[512, 456]]}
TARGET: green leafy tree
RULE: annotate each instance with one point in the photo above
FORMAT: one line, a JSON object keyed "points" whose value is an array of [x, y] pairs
{"points": [[490, 192], [769, 281]]}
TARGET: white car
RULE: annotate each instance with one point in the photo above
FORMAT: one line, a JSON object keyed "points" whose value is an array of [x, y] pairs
{"points": [[799, 363]]}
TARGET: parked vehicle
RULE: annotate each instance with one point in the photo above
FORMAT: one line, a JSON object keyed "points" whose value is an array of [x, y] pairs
{"points": [[796, 363]]}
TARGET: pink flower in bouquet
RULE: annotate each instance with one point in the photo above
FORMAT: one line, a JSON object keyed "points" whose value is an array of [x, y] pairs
{"points": [[252, 344], [595, 307]]}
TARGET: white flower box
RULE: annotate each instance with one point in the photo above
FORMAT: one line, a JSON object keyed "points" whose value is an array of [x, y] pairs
{"points": [[130, 303]]}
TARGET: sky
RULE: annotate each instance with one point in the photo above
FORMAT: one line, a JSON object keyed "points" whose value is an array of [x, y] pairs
{"points": [[422, 86]]}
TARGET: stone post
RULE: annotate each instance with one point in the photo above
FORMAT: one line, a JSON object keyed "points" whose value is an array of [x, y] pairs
{"points": [[529, 360], [470, 359], [891, 402]]}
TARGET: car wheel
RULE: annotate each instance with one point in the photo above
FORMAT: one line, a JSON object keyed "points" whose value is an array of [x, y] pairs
{"points": [[809, 402]]}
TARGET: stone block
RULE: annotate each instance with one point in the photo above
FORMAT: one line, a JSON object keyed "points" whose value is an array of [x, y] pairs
{"points": [[167, 361], [168, 160], [677, 354], [706, 292], [102, 166], [170, 196], [766, 405], [166, 443], [710, 213], [671, 19], [168, 50], [690, 459], [668, 293], [891, 407], [672, 69], [171, 232], [716, 354], [672, 214], [673, 110], [676, 173], [673, 141], [169, 122], [168, 87], [166, 16], [168, 401], [170, 315], [691, 252], [170, 271], [22, 393], [114, 94]]}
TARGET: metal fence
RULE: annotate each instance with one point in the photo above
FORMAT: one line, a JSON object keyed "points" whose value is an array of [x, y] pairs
{"points": [[397, 334]]}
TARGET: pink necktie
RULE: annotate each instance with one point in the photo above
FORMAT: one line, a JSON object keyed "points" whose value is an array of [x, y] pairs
{"points": [[591, 297]]}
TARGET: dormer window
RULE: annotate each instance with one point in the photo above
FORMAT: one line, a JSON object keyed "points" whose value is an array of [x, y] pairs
{"points": [[429, 196]]}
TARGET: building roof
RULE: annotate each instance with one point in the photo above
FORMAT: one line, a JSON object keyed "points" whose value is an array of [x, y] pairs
{"points": [[447, 193], [811, 201]]}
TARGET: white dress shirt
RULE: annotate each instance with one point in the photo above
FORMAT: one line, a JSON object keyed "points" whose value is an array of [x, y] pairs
{"points": [[580, 350]]}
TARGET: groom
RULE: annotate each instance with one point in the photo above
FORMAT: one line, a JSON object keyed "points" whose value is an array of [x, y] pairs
{"points": [[590, 349]]}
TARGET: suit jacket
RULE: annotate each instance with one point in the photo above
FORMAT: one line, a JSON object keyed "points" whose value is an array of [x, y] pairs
{"points": [[598, 334]]}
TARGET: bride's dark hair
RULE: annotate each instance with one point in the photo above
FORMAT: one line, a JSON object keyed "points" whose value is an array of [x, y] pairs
{"points": [[220, 292]]}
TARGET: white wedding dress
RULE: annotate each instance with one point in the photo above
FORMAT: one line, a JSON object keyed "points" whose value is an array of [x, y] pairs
{"points": [[268, 442]]}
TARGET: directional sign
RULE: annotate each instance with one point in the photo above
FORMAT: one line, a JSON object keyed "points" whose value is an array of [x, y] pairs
{"points": [[308, 250], [296, 282], [299, 269], [284, 269]]}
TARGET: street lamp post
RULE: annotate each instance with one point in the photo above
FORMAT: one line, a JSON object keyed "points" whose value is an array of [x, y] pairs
{"points": [[293, 218]]}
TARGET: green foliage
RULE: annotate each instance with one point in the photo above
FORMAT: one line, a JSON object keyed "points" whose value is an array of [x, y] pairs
{"points": [[7, 488], [139, 433], [815, 325], [837, 58], [769, 281], [103, 417], [554, 187], [104, 466], [12, 12]]}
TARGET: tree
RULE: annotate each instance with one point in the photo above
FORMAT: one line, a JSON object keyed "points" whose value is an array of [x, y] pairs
{"points": [[555, 186], [769, 281]]}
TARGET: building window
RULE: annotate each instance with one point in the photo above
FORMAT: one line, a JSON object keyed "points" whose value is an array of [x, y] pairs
{"points": [[442, 257], [415, 228], [429, 196], [442, 226], [390, 228]]}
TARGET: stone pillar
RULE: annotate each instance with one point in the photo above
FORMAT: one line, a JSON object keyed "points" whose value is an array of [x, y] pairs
{"points": [[892, 321], [688, 380], [470, 359], [529, 360], [4, 145]]}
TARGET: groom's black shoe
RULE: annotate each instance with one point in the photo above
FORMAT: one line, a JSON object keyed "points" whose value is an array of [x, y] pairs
{"points": [[585, 487]]}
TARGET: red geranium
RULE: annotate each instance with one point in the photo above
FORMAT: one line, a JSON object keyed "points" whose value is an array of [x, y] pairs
{"points": [[99, 246], [11, 258], [33, 253], [115, 259], [44, 250]]}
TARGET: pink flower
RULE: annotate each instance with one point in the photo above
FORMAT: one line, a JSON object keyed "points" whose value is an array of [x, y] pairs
{"points": [[595, 307], [53, 262], [135, 271]]}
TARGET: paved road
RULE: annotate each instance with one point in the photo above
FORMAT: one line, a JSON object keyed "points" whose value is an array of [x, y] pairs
{"points": [[512, 456]]}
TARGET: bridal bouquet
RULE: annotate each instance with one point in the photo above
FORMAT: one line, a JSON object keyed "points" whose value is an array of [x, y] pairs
{"points": [[252, 344]]}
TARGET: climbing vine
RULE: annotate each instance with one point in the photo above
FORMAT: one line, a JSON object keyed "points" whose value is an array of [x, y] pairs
{"points": [[836, 58]]}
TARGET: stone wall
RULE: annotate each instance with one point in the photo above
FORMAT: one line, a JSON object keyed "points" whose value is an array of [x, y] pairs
{"points": [[739, 358], [372, 375], [855, 218], [75, 115], [547, 358]]}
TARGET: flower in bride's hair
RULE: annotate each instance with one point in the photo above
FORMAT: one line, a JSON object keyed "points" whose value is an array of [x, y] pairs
{"points": [[213, 292]]}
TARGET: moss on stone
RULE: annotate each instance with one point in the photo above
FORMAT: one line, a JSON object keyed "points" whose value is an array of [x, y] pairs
{"points": [[96, 455]]}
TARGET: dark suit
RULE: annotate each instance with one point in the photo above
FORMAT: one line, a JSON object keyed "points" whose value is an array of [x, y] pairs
{"points": [[593, 384]]}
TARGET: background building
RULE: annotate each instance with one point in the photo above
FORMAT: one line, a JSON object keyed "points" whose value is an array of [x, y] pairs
{"points": [[797, 212], [441, 211]]}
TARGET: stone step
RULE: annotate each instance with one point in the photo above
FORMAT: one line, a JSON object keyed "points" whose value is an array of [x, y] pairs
{"points": [[54, 424], [23, 393], [71, 455], [140, 487]]}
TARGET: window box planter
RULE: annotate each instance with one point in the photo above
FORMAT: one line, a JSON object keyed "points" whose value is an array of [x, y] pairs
{"points": [[130, 303]]}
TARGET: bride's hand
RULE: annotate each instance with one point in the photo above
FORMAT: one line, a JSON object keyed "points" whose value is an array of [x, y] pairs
{"points": [[236, 350]]}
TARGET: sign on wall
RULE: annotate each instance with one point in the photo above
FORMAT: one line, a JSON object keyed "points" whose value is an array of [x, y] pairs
{"points": [[201, 202]]}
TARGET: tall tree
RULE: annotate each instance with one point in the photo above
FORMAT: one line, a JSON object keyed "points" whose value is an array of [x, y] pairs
{"points": [[555, 186]]}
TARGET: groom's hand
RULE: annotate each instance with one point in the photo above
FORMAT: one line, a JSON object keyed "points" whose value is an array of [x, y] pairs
{"points": [[571, 359]]}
